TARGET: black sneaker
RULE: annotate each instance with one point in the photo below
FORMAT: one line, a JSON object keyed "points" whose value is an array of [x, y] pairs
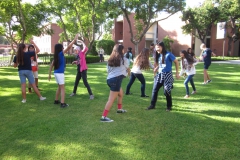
{"points": [[56, 102], [63, 105], [106, 119], [144, 96], [121, 111], [208, 81], [150, 107]]}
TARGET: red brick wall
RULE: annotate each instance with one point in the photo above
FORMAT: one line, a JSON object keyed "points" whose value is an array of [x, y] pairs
{"points": [[118, 31], [172, 27], [55, 37], [216, 45], [127, 36]]}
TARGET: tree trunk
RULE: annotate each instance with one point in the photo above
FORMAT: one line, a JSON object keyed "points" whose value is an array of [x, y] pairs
{"points": [[14, 53], [230, 40], [136, 48]]}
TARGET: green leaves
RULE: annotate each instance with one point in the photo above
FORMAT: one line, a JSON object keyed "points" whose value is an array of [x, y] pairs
{"points": [[200, 19], [22, 19]]}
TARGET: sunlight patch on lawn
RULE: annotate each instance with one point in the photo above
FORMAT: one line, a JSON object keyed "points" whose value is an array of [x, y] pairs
{"points": [[10, 92], [225, 119], [126, 147]]}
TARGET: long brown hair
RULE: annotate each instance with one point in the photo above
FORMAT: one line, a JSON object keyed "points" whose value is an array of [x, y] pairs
{"points": [[20, 53], [142, 59], [188, 57], [57, 49], [116, 56]]}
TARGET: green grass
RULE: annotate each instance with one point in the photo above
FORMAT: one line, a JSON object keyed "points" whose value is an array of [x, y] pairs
{"points": [[205, 126]]}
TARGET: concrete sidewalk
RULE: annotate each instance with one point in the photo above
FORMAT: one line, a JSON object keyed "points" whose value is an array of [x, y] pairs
{"points": [[227, 62]]}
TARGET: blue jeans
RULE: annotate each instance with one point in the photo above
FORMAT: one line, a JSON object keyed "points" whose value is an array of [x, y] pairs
{"points": [[23, 74], [189, 78], [141, 78]]}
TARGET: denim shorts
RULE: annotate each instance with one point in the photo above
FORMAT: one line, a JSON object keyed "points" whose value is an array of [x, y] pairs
{"points": [[115, 83], [23, 74]]}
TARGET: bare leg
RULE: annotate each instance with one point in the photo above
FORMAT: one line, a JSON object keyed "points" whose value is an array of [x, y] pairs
{"points": [[205, 75], [57, 93], [29, 88], [23, 87], [112, 96], [120, 96], [36, 90], [62, 88], [208, 78], [36, 82]]}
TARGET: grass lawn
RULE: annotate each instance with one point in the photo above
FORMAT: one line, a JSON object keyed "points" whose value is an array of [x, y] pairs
{"points": [[206, 126]]}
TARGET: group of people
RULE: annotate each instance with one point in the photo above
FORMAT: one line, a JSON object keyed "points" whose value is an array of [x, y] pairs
{"points": [[118, 67], [26, 61]]}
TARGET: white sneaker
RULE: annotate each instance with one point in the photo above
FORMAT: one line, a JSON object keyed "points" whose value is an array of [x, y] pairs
{"points": [[24, 101], [92, 97], [72, 94], [42, 98]]}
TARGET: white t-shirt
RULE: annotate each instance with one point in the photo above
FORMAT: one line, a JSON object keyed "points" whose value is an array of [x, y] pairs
{"points": [[136, 68], [101, 51]]}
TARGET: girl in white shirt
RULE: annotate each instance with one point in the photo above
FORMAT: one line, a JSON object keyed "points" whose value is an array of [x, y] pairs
{"points": [[141, 62], [188, 66]]}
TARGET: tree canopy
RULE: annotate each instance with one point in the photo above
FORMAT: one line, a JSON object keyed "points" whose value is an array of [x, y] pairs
{"points": [[146, 13]]}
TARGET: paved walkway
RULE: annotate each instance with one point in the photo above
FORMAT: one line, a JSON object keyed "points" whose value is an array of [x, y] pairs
{"points": [[228, 62]]}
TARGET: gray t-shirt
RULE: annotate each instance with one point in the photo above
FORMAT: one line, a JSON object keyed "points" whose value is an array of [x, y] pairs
{"points": [[117, 71]]}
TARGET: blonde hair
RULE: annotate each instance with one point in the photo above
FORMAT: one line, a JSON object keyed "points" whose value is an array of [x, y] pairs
{"points": [[142, 59]]}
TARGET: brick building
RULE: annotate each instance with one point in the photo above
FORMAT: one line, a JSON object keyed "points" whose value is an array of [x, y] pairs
{"points": [[171, 27], [218, 46], [46, 43]]}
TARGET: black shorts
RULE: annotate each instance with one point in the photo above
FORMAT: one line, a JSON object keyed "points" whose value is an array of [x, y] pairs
{"points": [[206, 65]]}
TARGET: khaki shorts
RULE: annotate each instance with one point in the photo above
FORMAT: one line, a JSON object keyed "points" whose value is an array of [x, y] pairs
{"points": [[35, 74]]}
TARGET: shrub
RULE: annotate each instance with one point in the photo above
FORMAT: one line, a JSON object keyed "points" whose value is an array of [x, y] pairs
{"points": [[89, 58], [107, 45], [93, 51], [167, 42]]}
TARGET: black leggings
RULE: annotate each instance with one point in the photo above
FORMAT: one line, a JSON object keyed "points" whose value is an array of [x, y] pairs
{"points": [[82, 75]]}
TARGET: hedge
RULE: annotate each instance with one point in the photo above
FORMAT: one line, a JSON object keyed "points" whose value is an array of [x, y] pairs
{"points": [[47, 58]]}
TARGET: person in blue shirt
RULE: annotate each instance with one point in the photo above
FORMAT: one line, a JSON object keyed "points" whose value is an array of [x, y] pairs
{"points": [[129, 55], [59, 66], [206, 58], [164, 76]]}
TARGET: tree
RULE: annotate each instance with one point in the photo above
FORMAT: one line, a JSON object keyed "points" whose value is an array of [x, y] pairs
{"points": [[199, 20], [230, 12], [19, 21], [167, 42], [145, 14], [3, 40], [78, 16]]}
